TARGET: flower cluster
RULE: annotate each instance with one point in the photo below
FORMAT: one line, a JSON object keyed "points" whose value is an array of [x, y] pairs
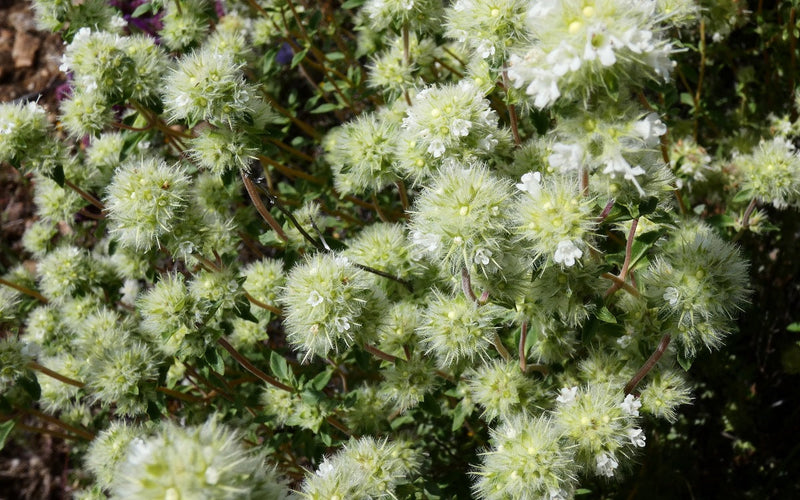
{"points": [[578, 46]]}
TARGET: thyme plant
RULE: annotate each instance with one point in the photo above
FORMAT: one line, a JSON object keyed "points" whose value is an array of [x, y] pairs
{"points": [[373, 249]]}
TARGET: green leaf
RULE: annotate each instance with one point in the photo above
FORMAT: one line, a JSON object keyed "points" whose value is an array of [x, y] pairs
{"points": [[58, 175], [142, 9], [298, 57], [460, 413], [334, 56], [605, 315], [684, 361], [278, 366], [325, 438], [31, 385], [401, 421], [214, 360], [743, 196], [687, 99], [582, 491], [5, 430], [352, 4], [321, 380], [793, 327], [325, 108]]}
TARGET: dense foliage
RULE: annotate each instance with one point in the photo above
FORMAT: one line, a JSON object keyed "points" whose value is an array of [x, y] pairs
{"points": [[395, 248]]}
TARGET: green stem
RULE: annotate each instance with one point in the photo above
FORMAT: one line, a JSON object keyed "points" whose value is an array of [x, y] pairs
{"points": [[27, 291]]}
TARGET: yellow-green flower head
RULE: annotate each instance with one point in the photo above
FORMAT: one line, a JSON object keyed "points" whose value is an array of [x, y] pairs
{"points": [[171, 320], [263, 281], [461, 219], [219, 150], [602, 423], [364, 468], [384, 247], [407, 382], [458, 330], [207, 461], [772, 173], [184, 23], [108, 449], [100, 64], [662, 395], [698, 282], [417, 15], [208, 85], [389, 72], [578, 48], [527, 460], [14, 357], [362, 156], [488, 27], [451, 122], [145, 202], [330, 304], [553, 218], [22, 126], [503, 390]]}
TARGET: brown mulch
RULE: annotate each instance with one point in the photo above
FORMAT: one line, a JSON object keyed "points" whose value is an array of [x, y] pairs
{"points": [[32, 466]]}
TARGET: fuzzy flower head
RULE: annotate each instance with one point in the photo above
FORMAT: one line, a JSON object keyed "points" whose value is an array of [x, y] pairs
{"points": [[698, 282], [407, 382], [772, 173], [488, 29], [453, 122], [416, 15], [120, 375], [690, 162], [145, 201], [553, 218], [527, 460], [662, 395], [14, 358], [362, 155], [384, 247], [170, 319], [601, 423], [460, 219], [456, 330], [207, 461], [184, 22], [503, 390], [580, 47], [619, 152], [21, 127], [220, 150], [263, 281], [108, 449], [208, 85], [364, 468], [99, 64], [330, 303]]}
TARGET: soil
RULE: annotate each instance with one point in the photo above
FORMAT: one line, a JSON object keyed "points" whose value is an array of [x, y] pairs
{"points": [[32, 466]]}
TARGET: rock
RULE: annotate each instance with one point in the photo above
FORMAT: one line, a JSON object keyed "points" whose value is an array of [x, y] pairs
{"points": [[24, 51]]}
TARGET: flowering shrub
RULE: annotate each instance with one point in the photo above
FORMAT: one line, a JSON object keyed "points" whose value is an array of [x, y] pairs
{"points": [[438, 249]]}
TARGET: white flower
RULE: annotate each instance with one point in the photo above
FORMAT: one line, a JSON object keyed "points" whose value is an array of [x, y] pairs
{"points": [[638, 41], [314, 298], [671, 295], [558, 494], [637, 437], [544, 87], [483, 256], [341, 324], [563, 59], [129, 291], [325, 469], [436, 148], [566, 157], [485, 49], [606, 464], [531, 183], [460, 128], [566, 253], [631, 405], [429, 242], [567, 395], [600, 45], [650, 128], [619, 165]]}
